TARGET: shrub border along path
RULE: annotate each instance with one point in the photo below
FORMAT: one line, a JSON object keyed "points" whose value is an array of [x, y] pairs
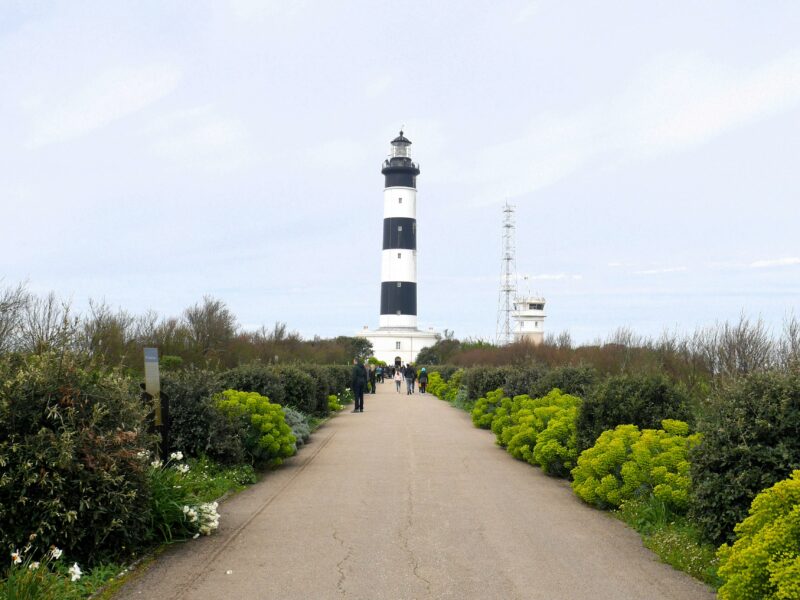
{"points": [[405, 500]]}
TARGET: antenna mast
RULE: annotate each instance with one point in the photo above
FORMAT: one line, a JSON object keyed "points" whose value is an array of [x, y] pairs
{"points": [[508, 279]]}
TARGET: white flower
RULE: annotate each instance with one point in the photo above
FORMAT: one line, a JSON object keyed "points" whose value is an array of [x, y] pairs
{"points": [[75, 572], [176, 456], [182, 468], [16, 557], [186, 509], [56, 552], [156, 464], [142, 454], [34, 565]]}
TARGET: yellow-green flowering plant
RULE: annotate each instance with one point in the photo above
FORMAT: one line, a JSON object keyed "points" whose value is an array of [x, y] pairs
{"points": [[270, 439], [764, 561]]}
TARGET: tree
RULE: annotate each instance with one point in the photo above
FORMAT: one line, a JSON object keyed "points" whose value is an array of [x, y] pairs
{"points": [[211, 326], [12, 304]]}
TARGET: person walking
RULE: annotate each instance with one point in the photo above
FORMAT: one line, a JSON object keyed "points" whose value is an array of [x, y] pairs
{"points": [[411, 375], [359, 382], [373, 379], [398, 379], [423, 380]]}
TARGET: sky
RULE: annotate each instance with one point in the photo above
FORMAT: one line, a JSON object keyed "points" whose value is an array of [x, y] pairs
{"points": [[155, 152]]}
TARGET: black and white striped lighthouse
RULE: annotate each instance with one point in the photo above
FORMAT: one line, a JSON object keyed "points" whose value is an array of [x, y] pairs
{"points": [[399, 260], [397, 340]]}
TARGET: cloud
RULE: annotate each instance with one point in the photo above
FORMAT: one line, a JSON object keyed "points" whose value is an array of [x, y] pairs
{"points": [[110, 96], [200, 137], [675, 103], [660, 271], [776, 262]]}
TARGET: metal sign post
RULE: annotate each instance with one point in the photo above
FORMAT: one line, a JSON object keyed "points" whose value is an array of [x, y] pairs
{"points": [[152, 381]]}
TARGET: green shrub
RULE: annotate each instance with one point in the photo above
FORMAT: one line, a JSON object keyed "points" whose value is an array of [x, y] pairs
{"points": [[270, 439], [484, 410], [529, 417], [598, 477], [298, 423], [479, 381], [339, 377], [71, 466], [751, 440], [576, 381], [764, 561], [322, 388], [523, 381], [556, 449], [255, 377], [197, 427], [333, 403], [436, 385], [300, 389], [627, 464], [642, 400]]}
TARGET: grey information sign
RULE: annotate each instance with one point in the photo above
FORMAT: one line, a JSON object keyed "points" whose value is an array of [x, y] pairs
{"points": [[152, 379]]}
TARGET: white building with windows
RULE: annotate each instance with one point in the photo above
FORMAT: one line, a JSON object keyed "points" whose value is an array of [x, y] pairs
{"points": [[528, 318], [397, 339]]}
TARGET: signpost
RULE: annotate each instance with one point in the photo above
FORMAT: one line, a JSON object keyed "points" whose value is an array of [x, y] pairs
{"points": [[152, 381]]}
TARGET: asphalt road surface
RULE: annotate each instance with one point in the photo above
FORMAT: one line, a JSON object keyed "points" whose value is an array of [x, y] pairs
{"points": [[409, 501]]}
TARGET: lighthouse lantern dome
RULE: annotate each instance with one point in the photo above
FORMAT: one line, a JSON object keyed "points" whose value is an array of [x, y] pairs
{"points": [[400, 146]]}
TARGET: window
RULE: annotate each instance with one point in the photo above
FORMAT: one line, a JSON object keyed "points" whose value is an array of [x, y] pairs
{"points": [[399, 200], [399, 255], [397, 345], [399, 228], [399, 283], [399, 313]]}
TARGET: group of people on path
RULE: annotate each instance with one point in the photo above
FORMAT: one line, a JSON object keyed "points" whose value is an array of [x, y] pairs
{"points": [[364, 374]]}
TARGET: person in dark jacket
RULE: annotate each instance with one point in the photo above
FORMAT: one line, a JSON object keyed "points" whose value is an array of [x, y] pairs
{"points": [[373, 379], [423, 380], [359, 381], [411, 375]]}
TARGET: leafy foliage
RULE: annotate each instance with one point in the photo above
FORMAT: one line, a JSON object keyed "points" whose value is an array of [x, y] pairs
{"points": [[483, 413], [300, 389], [479, 381], [197, 427], [573, 380], [556, 449], [528, 418], [71, 435], [764, 561], [270, 439], [524, 381], [255, 377], [751, 440], [642, 400], [298, 423], [627, 464]]}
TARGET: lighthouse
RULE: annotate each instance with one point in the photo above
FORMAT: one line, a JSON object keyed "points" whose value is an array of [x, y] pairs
{"points": [[397, 338]]}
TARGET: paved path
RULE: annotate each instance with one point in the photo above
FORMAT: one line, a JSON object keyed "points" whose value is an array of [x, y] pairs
{"points": [[409, 501]]}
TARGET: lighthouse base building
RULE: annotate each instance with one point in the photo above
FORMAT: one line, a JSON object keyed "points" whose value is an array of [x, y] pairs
{"points": [[397, 339], [398, 346]]}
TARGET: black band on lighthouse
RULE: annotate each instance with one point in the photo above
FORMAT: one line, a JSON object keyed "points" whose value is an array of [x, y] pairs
{"points": [[399, 233], [398, 298], [401, 179]]}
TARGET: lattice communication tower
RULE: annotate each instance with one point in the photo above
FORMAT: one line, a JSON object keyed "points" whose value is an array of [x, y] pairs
{"points": [[508, 278]]}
